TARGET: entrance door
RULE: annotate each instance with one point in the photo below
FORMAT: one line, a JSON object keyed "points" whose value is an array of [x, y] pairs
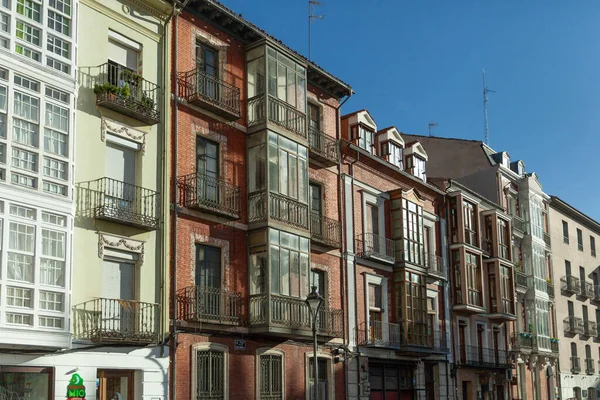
{"points": [[115, 385], [207, 170], [316, 209], [119, 191], [118, 283]]}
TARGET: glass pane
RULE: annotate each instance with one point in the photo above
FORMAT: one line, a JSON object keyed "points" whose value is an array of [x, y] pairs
{"points": [[285, 272], [275, 282]]}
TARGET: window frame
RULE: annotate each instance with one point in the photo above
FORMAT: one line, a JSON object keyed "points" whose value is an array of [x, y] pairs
{"points": [[309, 370], [273, 352], [210, 347]]}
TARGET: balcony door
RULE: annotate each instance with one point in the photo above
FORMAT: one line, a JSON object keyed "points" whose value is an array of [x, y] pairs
{"points": [[120, 170], [316, 209], [372, 239], [314, 127], [207, 171], [207, 68], [208, 282], [462, 341], [122, 58], [118, 283]]}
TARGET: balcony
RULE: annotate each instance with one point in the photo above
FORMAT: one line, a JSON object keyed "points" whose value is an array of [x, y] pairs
{"points": [[210, 92], [370, 245], [518, 224], [554, 345], [324, 231], [209, 305], [547, 239], [115, 321], [596, 293], [276, 112], [590, 328], [380, 334], [124, 91], [323, 147], [119, 202], [486, 246], [590, 366], [290, 316], [502, 310], [587, 289], [575, 365], [264, 205], [433, 263], [573, 325], [550, 289], [209, 194], [521, 342], [521, 280], [570, 284], [482, 357], [470, 237]]}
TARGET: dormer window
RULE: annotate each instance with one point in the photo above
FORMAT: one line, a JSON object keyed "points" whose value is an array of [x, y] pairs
{"points": [[416, 165], [392, 152], [364, 136]]}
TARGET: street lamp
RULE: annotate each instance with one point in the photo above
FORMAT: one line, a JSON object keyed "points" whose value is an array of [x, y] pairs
{"points": [[315, 302]]}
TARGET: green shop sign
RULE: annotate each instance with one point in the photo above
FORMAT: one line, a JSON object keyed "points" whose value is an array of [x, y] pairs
{"points": [[76, 388]]}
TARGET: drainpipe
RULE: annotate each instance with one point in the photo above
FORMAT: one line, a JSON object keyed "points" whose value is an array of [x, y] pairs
{"points": [[164, 183], [344, 259], [450, 283]]}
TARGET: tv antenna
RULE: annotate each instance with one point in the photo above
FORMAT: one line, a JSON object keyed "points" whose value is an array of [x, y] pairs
{"points": [[485, 111], [312, 4], [431, 125]]}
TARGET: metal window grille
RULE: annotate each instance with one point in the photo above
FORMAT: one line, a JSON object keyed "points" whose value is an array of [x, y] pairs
{"points": [[271, 385], [210, 367]]}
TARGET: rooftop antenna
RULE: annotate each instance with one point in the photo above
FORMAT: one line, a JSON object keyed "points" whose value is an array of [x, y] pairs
{"points": [[312, 16], [431, 125], [485, 113]]}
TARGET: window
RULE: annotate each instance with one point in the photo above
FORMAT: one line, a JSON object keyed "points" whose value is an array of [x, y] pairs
{"points": [[57, 95], [28, 33], [416, 165], [316, 209], [458, 296], [4, 23], [473, 279], [503, 239], [394, 153], [372, 219], [257, 163], [24, 159], [64, 6], [592, 245], [413, 293], [289, 264], [314, 118], [286, 80], [54, 188], [59, 46], [288, 168], [21, 239], [27, 52], [51, 301], [57, 117], [29, 9], [53, 219], [27, 83], [51, 322], [26, 107], [506, 288], [25, 132], [59, 23], [210, 374], [375, 312], [579, 239], [207, 168], [52, 260], [208, 266], [58, 65], [270, 377], [565, 232], [23, 180], [55, 142], [317, 279], [470, 223], [35, 382], [53, 244], [412, 228], [323, 375], [18, 297], [19, 319], [365, 139], [55, 169]]}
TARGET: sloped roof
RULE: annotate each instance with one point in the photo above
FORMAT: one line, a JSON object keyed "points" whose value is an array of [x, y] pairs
{"points": [[234, 24], [452, 158]]}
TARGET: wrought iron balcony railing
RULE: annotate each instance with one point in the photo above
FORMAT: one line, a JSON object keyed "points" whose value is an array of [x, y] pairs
{"points": [[587, 289], [323, 147], [483, 357], [116, 321], [575, 365], [209, 194], [521, 279], [590, 366], [573, 325], [590, 328], [263, 205], [124, 91], [370, 245], [395, 336], [570, 284], [210, 92], [212, 305], [120, 202], [293, 313], [521, 341], [325, 231], [276, 112], [518, 223]]}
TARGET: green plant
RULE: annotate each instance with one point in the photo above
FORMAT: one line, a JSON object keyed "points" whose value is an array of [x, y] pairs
{"points": [[553, 340], [105, 88], [125, 91], [530, 327], [146, 101], [525, 334], [130, 77]]}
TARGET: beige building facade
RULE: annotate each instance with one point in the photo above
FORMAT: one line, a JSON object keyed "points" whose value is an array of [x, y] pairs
{"points": [[575, 263]]}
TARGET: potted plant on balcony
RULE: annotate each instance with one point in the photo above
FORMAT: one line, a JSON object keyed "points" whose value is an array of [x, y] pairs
{"points": [[525, 335], [549, 281], [553, 340], [147, 102], [111, 91]]}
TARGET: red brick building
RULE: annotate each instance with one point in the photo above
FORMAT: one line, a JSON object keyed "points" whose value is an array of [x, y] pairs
{"points": [[255, 214], [395, 231]]}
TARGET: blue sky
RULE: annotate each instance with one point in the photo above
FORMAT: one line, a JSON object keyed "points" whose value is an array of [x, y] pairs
{"points": [[415, 61]]}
